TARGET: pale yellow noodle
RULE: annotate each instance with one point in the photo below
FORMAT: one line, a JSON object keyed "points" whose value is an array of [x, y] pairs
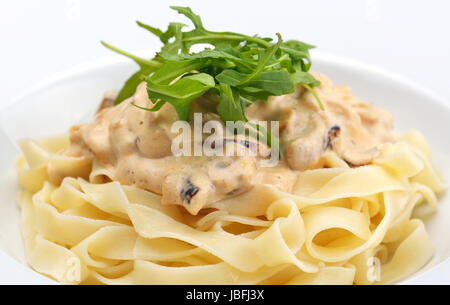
{"points": [[335, 224]]}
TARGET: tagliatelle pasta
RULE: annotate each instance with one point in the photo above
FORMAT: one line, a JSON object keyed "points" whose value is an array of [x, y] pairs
{"points": [[340, 225]]}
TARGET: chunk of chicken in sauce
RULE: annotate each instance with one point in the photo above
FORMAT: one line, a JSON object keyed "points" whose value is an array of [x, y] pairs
{"points": [[135, 145]]}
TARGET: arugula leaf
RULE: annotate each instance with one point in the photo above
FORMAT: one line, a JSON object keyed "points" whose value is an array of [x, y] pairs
{"points": [[190, 14], [204, 78], [230, 107], [216, 54], [173, 31], [315, 95], [146, 67], [231, 75], [180, 94], [155, 108], [130, 85], [307, 81], [173, 69], [304, 78], [250, 95], [140, 61], [299, 52], [274, 82], [262, 61], [151, 29]]}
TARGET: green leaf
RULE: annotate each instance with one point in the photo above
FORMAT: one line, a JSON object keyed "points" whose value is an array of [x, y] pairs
{"points": [[129, 88], [180, 94], [307, 80], [230, 106], [190, 14], [299, 52], [241, 63], [304, 78], [298, 45], [235, 72], [155, 108], [147, 67], [263, 59], [230, 77], [151, 29], [251, 95], [140, 61], [174, 30], [204, 78], [284, 62], [315, 96], [173, 69], [274, 82]]}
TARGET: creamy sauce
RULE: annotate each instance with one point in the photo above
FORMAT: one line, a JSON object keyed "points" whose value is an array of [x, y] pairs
{"points": [[135, 145]]}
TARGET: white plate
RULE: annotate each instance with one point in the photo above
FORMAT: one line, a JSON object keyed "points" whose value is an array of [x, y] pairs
{"points": [[57, 104]]}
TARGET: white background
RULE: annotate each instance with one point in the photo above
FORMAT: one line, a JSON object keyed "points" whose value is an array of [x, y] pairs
{"points": [[39, 39]]}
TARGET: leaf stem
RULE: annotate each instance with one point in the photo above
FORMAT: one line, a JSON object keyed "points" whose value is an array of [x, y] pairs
{"points": [[140, 61], [231, 37], [311, 90]]}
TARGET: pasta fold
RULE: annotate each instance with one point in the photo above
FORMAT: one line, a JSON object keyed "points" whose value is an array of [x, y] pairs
{"points": [[340, 225]]}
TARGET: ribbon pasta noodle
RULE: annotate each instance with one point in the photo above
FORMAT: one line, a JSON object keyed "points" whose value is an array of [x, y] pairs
{"points": [[337, 221]]}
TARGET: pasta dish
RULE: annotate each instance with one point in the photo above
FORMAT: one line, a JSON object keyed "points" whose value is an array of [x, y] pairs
{"points": [[110, 202]]}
